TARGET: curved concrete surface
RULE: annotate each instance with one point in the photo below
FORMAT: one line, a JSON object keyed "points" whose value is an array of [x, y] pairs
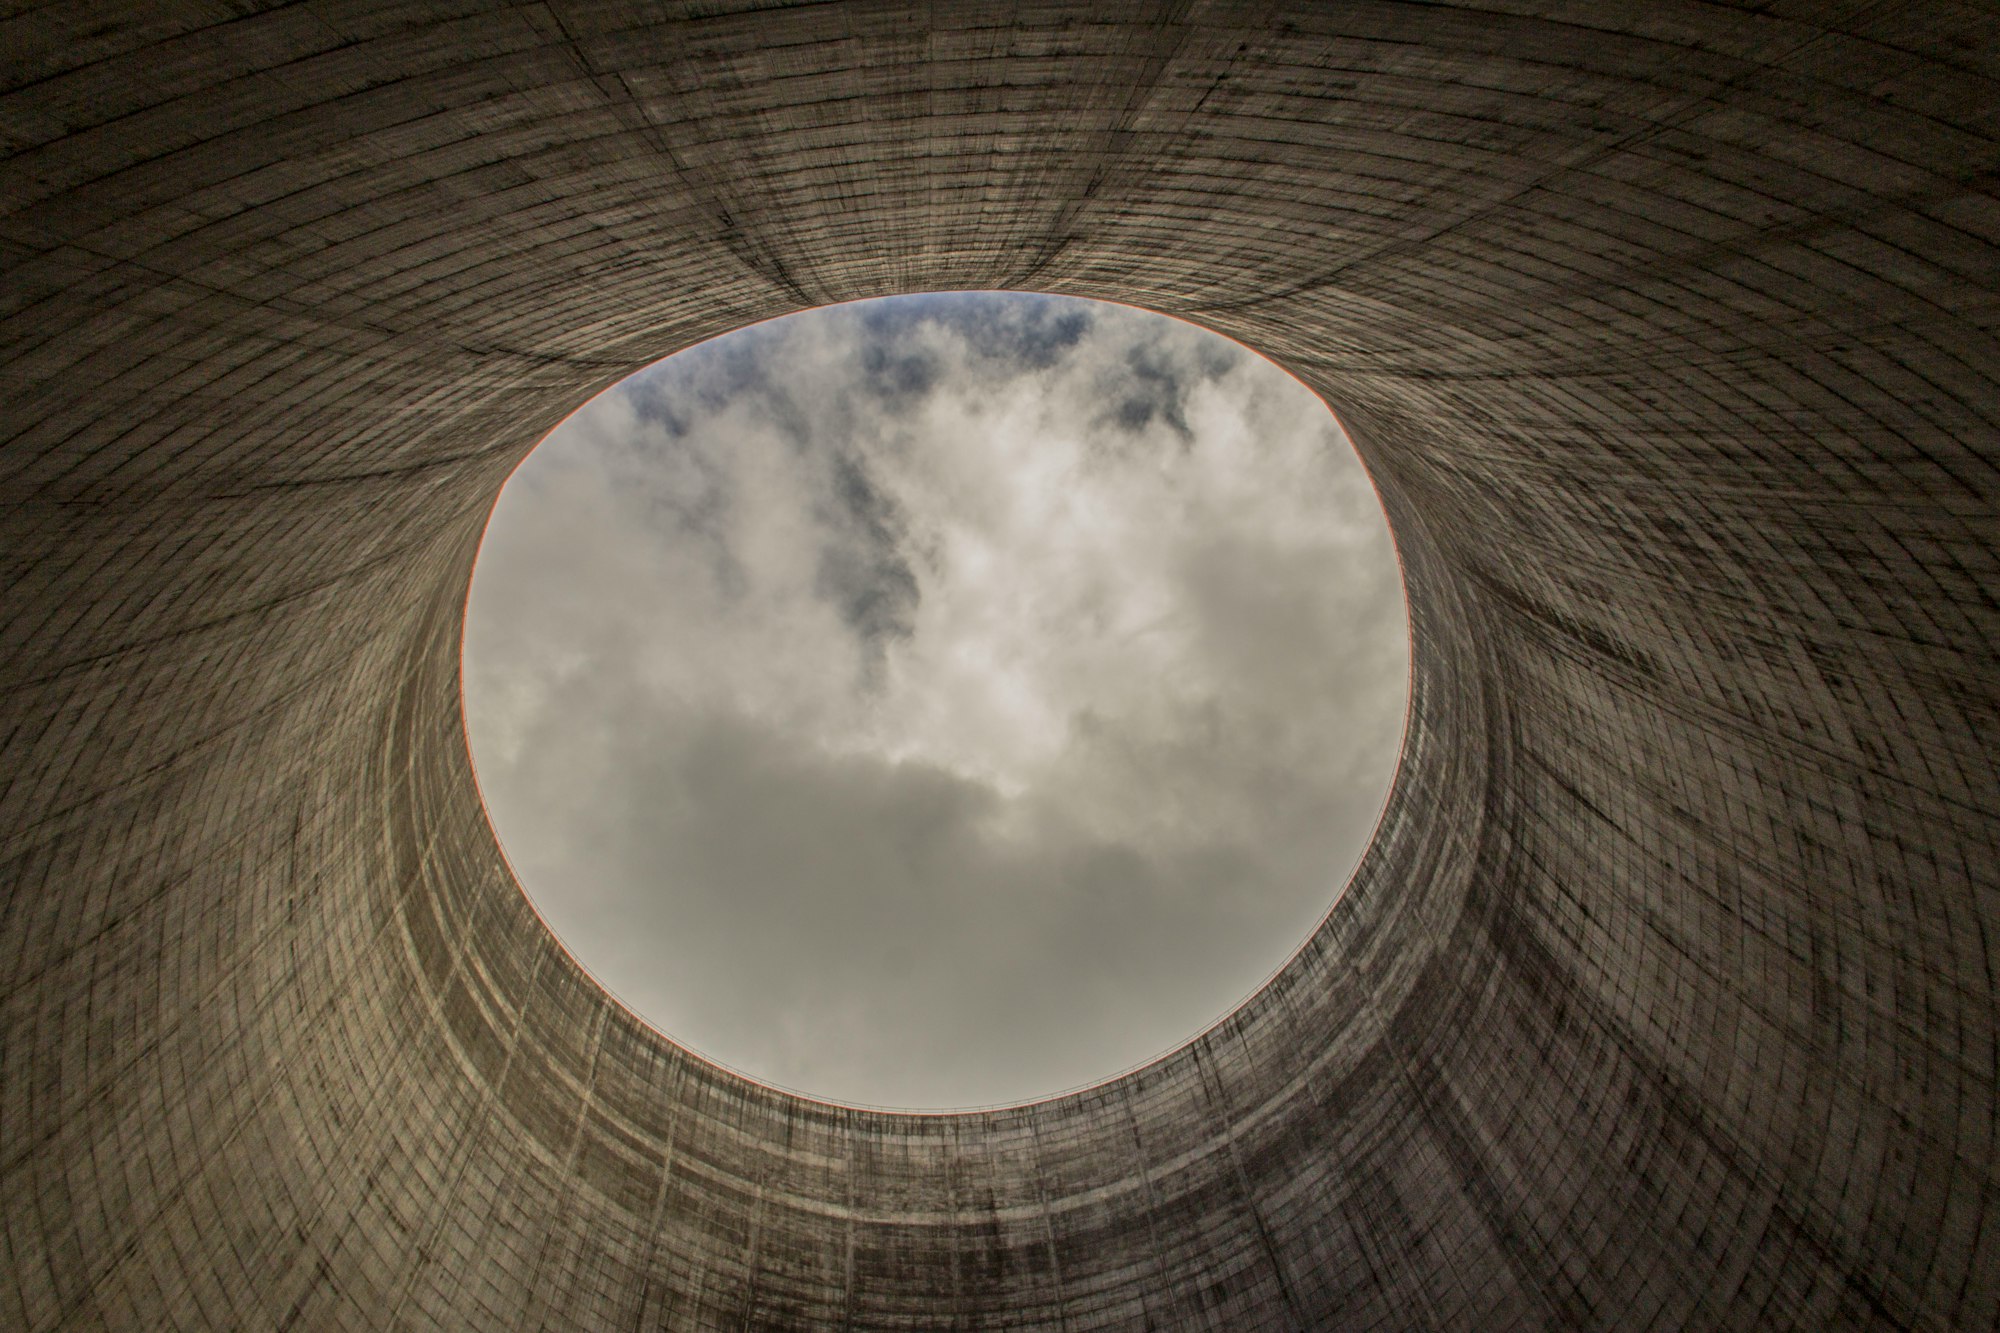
{"points": [[1666, 996]]}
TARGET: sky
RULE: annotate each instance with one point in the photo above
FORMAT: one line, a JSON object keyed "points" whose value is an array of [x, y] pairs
{"points": [[939, 701]]}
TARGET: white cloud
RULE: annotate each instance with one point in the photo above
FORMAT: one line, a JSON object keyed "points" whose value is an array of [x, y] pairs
{"points": [[938, 701]]}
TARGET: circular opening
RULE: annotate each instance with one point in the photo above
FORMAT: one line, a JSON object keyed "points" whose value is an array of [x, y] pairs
{"points": [[938, 701]]}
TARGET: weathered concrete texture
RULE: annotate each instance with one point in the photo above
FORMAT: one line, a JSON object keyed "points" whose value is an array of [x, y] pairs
{"points": [[1666, 997]]}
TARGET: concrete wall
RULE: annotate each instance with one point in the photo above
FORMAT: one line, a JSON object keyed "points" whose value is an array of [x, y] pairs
{"points": [[1666, 997]]}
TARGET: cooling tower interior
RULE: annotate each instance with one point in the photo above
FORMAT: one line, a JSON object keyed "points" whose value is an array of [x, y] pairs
{"points": [[1665, 996]]}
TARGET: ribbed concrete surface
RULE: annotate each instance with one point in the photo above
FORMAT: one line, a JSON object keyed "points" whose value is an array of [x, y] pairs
{"points": [[1667, 996]]}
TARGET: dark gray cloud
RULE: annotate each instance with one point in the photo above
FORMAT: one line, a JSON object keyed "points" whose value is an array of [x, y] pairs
{"points": [[862, 570], [1153, 383], [938, 701]]}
